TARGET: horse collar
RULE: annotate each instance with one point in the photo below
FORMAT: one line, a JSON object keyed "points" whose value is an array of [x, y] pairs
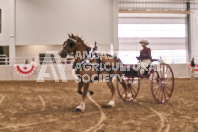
{"points": [[89, 57]]}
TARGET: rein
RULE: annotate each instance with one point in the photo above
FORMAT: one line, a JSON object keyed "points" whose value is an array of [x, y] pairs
{"points": [[91, 55], [87, 61]]}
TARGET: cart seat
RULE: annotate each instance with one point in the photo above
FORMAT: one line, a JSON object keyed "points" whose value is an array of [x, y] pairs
{"points": [[154, 60]]}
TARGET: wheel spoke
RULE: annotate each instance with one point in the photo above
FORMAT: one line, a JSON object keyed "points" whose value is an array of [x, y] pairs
{"points": [[157, 87], [168, 79], [133, 90], [134, 85], [123, 92], [167, 93], [156, 81], [157, 91], [135, 82], [162, 84], [168, 72], [133, 95], [161, 73], [121, 87], [168, 88], [163, 70], [164, 94], [130, 89], [167, 82], [160, 93]]}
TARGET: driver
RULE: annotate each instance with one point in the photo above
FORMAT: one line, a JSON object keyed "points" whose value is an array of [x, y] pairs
{"points": [[145, 57]]}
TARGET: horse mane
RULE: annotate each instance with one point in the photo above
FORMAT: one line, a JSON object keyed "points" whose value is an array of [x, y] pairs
{"points": [[80, 40]]}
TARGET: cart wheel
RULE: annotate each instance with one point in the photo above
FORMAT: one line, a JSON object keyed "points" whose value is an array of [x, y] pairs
{"points": [[162, 83], [132, 85]]}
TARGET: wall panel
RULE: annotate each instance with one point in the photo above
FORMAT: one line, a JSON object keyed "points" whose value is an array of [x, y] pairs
{"points": [[4, 35], [47, 22]]}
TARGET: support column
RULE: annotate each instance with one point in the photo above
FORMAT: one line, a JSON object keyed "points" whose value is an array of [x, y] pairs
{"points": [[194, 32], [188, 27], [12, 31], [115, 26]]}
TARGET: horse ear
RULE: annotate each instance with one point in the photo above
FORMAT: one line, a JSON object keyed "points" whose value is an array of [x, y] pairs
{"points": [[69, 35], [72, 35]]}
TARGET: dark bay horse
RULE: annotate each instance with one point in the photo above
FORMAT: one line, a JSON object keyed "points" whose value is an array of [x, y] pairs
{"points": [[82, 53]]}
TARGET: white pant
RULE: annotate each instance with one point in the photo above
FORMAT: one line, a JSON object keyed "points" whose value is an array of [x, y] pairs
{"points": [[192, 72], [144, 64]]}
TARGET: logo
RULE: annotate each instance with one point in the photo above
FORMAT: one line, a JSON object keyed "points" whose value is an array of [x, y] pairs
{"points": [[25, 69], [48, 62]]}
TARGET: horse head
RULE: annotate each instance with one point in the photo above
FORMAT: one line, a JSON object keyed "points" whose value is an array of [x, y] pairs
{"points": [[71, 45]]}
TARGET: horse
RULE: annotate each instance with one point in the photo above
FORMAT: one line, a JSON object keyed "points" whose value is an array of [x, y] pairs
{"points": [[76, 46]]}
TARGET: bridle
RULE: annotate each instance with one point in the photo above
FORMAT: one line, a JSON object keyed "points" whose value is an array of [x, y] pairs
{"points": [[64, 45], [91, 53]]}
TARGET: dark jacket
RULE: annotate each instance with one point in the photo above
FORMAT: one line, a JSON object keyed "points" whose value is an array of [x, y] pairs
{"points": [[192, 63], [145, 54]]}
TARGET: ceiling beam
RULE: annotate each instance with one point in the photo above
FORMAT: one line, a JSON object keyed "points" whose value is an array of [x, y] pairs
{"points": [[165, 1], [154, 11]]}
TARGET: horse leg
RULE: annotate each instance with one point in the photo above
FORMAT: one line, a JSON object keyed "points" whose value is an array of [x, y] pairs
{"points": [[80, 85], [81, 107], [111, 103], [124, 85]]}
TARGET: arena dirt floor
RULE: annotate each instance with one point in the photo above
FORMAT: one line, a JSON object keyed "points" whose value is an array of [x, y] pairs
{"points": [[49, 107]]}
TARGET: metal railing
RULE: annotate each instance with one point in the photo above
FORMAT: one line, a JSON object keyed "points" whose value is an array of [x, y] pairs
{"points": [[8, 72], [172, 5], [57, 60], [29, 60]]}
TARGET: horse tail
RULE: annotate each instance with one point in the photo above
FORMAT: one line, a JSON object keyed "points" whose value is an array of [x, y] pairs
{"points": [[118, 60]]}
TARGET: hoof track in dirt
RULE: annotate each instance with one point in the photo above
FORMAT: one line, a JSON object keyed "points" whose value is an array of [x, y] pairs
{"points": [[32, 107]]}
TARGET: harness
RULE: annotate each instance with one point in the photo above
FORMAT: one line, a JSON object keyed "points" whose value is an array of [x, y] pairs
{"points": [[89, 57], [87, 61]]}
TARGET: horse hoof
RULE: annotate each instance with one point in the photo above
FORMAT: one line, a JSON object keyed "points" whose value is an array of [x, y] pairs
{"points": [[91, 92], [108, 106], [77, 110]]}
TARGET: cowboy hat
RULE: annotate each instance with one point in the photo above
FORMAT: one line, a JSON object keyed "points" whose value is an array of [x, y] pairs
{"points": [[144, 41]]}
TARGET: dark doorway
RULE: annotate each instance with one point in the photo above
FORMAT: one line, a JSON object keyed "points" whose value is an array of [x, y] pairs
{"points": [[4, 54]]}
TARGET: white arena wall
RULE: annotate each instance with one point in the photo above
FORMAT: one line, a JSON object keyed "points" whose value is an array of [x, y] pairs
{"points": [[30, 27], [8, 73], [48, 22], [4, 36], [34, 50]]}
